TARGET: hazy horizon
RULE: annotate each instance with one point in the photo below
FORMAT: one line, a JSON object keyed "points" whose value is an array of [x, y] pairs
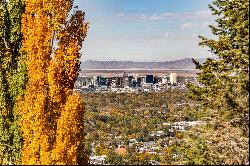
{"points": [[82, 60]]}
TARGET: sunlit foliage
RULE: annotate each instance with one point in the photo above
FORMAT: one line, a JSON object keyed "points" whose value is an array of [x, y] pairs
{"points": [[52, 114]]}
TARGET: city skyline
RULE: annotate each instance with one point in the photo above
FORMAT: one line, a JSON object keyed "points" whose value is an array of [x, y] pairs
{"points": [[145, 30]]}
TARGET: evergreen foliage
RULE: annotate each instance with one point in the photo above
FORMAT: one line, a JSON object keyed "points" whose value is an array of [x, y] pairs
{"points": [[224, 81], [223, 90], [12, 79]]}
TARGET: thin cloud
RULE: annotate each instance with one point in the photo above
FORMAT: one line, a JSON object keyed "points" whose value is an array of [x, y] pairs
{"points": [[155, 18], [120, 15], [163, 16], [189, 25]]}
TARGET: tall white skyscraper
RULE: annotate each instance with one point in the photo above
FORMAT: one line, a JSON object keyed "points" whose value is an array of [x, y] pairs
{"points": [[94, 80], [173, 78]]}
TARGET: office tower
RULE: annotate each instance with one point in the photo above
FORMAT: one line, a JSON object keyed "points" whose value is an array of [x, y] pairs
{"points": [[149, 79], [173, 78]]}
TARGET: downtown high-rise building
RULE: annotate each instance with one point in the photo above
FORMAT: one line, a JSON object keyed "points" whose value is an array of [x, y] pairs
{"points": [[173, 78]]}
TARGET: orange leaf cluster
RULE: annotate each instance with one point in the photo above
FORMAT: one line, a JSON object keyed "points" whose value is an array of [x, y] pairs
{"points": [[52, 115]]}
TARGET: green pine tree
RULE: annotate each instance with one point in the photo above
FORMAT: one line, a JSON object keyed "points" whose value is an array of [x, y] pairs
{"points": [[223, 91], [224, 80], [12, 79]]}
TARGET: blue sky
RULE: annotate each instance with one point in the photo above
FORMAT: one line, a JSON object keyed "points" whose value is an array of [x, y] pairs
{"points": [[145, 30]]}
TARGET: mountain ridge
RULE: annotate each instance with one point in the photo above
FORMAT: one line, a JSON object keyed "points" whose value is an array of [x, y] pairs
{"points": [[185, 63]]}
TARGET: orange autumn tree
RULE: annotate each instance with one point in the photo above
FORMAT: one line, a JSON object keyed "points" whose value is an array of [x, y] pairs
{"points": [[52, 114]]}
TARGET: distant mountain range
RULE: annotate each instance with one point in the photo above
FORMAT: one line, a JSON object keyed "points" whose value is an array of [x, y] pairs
{"points": [[186, 63]]}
